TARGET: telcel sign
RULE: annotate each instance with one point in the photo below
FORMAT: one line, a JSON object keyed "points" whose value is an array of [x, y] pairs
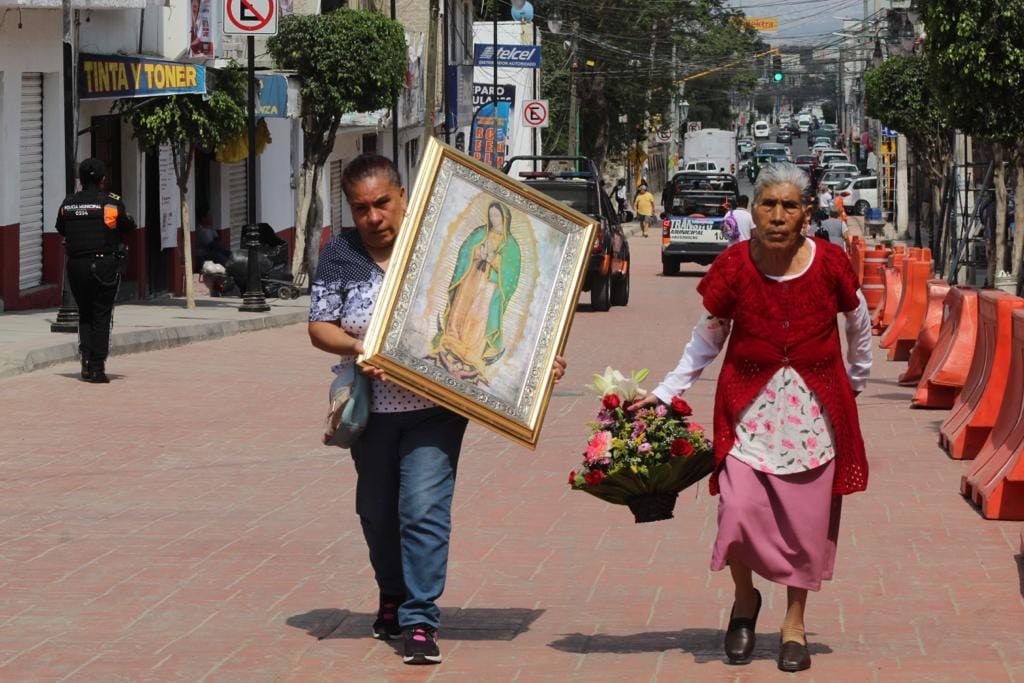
{"points": [[509, 56]]}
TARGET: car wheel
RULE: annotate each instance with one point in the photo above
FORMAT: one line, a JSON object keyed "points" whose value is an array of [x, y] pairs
{"points": [[861, 207], [600, 295], [669, 266], [620, 290]]}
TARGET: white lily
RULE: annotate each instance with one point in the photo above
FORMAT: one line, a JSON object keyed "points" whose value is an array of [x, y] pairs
{"points": [[614, 382]]}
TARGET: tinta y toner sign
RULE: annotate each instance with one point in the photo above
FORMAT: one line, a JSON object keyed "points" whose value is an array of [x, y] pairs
{"points": [[509, 56]]}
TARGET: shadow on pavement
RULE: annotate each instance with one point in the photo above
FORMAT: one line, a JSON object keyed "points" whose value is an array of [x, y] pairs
{"points": [[456, 624], [1020, 572], [705, 644]]}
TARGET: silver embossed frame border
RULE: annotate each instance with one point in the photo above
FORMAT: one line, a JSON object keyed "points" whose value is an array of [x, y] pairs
{"points": [[522, 418]]}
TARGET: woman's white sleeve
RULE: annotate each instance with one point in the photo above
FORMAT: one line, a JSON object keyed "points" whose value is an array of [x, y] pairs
{"points": [[858, 344], [706, 342]]}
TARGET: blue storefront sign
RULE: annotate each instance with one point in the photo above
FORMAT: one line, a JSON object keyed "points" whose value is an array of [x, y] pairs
{"points": [[889, 132], [272, 96], [114, 76], [509, 56]]}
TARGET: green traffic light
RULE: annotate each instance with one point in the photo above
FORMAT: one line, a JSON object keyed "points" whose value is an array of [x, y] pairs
{"points": [[777, 77]]}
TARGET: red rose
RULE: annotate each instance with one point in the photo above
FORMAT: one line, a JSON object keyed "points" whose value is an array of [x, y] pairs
{"points": [[681, 448], [594, 477], [681, 407], [611, 401], [572, 477]]}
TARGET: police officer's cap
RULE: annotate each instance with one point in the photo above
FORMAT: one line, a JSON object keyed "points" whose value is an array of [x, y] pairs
{"points": [[91, 170]]}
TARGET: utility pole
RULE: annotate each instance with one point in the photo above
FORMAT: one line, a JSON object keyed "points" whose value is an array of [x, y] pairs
{"points": [[431, 80], [573, 100]]}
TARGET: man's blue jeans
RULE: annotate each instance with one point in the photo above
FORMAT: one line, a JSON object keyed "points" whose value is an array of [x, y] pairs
{"points": [[406, 464]]}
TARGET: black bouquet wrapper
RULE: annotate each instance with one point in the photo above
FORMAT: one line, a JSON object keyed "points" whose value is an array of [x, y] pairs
{"points": [[652, 507]]}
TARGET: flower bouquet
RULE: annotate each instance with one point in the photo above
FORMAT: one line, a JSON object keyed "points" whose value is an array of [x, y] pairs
{"points": [[641, 459]]}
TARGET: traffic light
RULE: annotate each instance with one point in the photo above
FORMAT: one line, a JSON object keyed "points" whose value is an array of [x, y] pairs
{"points": [[777, 68]]}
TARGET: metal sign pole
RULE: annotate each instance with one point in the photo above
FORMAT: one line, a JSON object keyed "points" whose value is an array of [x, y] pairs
{"points": [[253, 300], [67, 316]]}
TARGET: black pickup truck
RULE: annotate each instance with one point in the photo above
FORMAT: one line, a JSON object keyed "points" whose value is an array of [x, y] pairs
{"points": [[607, 277]]}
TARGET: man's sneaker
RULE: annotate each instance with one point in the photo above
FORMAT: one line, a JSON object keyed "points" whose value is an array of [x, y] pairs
{"points": [[386, 626], [421, 645]]}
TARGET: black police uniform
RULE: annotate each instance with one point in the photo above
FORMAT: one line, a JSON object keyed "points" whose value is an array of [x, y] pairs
{"points": [[94, 224]]}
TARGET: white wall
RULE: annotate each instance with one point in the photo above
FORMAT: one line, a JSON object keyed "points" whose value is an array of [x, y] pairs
{"points": [[35, 47], [347, 145], [276, 195]]}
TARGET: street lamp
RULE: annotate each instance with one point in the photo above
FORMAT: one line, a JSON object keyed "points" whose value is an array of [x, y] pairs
{"points": [[555, 21], [684, 110]]}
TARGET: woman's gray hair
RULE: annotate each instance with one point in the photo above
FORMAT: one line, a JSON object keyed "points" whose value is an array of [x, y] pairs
{"points": [[782, 173]]}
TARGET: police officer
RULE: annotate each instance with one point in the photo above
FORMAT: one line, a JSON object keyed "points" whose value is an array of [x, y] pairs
{"points": [[94, 224]]}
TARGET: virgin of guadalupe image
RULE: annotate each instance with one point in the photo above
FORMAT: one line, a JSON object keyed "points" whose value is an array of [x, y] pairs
{"points": [[469, 335]]}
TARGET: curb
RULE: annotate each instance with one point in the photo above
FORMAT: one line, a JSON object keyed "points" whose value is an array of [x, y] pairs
{"points": [[139, 341]]}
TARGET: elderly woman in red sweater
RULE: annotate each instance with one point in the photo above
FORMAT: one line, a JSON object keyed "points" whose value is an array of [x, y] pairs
{"points": [[787, 437]]}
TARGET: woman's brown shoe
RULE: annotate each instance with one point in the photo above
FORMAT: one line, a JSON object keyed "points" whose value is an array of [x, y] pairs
{"points": [[739, 636], [794, 656]]}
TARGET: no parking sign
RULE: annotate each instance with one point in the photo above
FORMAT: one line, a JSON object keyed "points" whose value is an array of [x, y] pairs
{"points": [[535, 114]]}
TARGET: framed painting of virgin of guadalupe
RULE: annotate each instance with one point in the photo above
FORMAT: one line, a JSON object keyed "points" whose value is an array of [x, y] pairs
{"points": [[480, 293]]}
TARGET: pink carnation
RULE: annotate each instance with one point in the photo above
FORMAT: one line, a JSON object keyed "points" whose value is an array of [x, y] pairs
{"points": [[645, 447], [661, 410], [598, 446]]}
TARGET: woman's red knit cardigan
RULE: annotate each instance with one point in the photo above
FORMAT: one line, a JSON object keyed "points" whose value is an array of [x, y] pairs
{"points": [[786, 323]]}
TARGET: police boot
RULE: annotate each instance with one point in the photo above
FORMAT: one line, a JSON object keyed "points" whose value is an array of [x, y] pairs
{"points": [[98, 374], [86, 370]]}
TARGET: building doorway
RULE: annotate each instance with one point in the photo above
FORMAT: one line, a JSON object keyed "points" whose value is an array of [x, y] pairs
{"points": [[106, 146], [156, 259]]}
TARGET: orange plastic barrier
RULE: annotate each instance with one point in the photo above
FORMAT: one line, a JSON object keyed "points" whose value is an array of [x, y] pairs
{"points": [[892, 280], [871, 282], [927, 338], [996, 478], [900, 336], [944, 376], [855, 248], [968, 425]]}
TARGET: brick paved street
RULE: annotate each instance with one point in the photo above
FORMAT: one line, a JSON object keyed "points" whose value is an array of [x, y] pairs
{"points": [[184, 524]]}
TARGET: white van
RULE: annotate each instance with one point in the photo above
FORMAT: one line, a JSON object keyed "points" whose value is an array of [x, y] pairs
{"points": [[804, 123], [762, 129]]}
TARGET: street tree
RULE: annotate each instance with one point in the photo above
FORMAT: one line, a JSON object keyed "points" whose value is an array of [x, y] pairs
{"points": [[187, 123], [346, 61], [900, 94], [626, 76], [976, 61]]}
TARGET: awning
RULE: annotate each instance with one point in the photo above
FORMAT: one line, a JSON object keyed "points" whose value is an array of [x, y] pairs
{"points": [[114, 76]]}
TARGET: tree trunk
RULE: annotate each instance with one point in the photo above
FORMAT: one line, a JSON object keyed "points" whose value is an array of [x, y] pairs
{"points": [[999, 261], [186, 246], [308, 221], [1018, 218]]}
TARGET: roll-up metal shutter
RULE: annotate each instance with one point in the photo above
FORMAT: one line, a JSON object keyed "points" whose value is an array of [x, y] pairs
{"points": [[337, 195], [238, 206], [30, 165]]}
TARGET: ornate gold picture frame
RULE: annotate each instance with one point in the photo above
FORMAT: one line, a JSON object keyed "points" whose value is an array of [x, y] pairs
{"points": [[480, 293]]}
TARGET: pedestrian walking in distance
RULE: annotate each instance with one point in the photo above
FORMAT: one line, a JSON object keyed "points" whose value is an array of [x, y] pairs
{"points": [[787, 440], [644, 207], [406, 457], [94, 224]]}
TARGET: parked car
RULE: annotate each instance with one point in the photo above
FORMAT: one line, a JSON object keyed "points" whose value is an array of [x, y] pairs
{"points": [[808, 162], [832, 179], [859, 193], [835, 165], [784, 136], [692, 222], [827, 157], [607, 277]]}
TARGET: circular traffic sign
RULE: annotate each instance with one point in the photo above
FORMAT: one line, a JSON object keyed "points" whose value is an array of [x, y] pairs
{"points": [[260, 17], [535, 113]]}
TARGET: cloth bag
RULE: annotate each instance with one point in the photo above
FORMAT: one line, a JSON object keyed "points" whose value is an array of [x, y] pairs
{"points": [[348, 410]]}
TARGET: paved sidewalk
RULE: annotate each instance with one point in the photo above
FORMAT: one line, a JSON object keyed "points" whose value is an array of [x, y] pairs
{"points": [[184, 524], [26, 342]]}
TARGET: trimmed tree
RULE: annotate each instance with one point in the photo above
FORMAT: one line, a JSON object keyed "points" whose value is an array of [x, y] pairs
{"points": [[899, 94], [346, 61], [187, 123], [976, 61]]}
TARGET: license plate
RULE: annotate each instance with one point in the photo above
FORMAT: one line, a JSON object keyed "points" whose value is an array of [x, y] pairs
{"points": [[689, 230]]}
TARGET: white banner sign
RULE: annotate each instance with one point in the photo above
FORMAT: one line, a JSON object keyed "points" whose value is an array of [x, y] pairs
{"points": [[170, 212]]}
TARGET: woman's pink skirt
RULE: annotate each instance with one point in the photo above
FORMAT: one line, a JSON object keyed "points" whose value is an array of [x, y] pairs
{"points": [[783, 527]]}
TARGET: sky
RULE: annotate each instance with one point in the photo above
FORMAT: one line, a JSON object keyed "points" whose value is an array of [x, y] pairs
{"points": [[803, 21]]}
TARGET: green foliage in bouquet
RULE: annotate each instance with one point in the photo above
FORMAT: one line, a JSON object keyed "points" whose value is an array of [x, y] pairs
{"points": [[652, 453]]}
